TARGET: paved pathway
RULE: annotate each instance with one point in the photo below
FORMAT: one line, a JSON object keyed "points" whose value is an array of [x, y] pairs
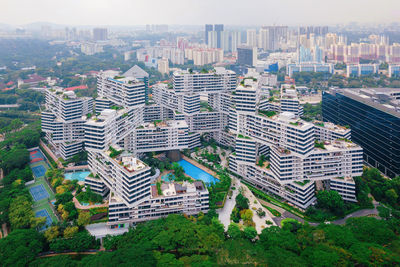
{"points": [[224, 214], [260, 222]]}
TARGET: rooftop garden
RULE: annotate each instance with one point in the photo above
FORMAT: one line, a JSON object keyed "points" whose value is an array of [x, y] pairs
{"points": [[118, 77], [345, 139], [156, 122], [321, 124], [268, 113], [115, 107], [301, 183], [243, 136], [294, 123], [319, 144], [115, 153], [205, 106]]}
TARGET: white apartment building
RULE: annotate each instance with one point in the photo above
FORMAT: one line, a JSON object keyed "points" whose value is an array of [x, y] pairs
{"points": [[208, 82], [63, 121], [163, 66], [300, 155], [159, 136], [124, 91]]}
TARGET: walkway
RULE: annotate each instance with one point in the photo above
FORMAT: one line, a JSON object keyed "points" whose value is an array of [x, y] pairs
{"points": [[224, 214], [255, 204], [81, 207], [76, 168], [100, 230]]}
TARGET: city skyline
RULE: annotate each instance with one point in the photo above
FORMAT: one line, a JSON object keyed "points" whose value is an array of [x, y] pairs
{"points": [[287, 12]]}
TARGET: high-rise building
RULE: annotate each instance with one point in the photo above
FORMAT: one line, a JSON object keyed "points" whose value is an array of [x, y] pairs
{"points": [[63, 120], [373, 114], [219, 29], [251, 37], [274, 36], [142, 76], [100, 34], [208, 28], [247, 56], [163, 66]]}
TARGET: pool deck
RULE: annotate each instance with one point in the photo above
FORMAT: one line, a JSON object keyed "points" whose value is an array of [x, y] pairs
{"points": [[198, 165]]}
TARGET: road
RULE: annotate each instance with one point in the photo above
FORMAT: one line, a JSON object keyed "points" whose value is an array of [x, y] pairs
{"points": [[286, 214]]}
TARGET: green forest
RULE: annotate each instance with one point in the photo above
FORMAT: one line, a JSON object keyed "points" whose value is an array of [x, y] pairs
{"points": [[201, 241]]}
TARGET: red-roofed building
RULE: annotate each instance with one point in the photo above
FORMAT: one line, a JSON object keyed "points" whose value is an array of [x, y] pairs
{"points": [[10, 83], [79, 87], [34, 79]]}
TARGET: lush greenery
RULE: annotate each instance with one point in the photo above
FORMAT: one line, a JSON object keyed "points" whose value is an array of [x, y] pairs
{"points": [[312, 112], [88, 196], [201, 241], [15, 200], [383, 189], [268, 113]]}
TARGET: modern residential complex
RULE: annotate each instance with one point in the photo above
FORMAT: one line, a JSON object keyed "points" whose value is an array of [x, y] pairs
{"points": [[274, 149], [373, 115]]}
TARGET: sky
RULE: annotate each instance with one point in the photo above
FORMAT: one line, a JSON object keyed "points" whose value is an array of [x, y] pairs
{"points": [[197, 12]]}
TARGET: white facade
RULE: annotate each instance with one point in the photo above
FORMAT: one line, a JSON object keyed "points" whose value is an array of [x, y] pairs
{"points": [[63, 121]]}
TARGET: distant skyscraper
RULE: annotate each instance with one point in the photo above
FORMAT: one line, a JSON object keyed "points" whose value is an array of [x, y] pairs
{"points": [[247, 56], [99, 34], [208, 28], [219, 28], [252, 38]]}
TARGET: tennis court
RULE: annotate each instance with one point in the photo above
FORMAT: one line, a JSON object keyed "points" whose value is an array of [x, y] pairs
{"points": [[39, 171], [35, 154], [38, 192], [44, 213]]}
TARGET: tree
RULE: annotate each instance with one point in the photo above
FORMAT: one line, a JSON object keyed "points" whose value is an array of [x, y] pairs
{"points": [[70, 231], [52, 233], [234, 231], [367, 229], [250, 232], [331, 200], [246, 215], [21, 214], [391, 196], [16, 158], [20, 247], [242, 202], [83, 218]]}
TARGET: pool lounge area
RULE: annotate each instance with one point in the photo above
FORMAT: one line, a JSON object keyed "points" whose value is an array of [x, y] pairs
{"points": [[79, 175]]}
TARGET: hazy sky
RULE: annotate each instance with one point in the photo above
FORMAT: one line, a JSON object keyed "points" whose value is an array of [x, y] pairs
{"points": [[232, 12]]}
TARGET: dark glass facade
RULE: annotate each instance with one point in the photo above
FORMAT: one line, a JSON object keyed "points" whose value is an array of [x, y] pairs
{"points": [[376, 131]]}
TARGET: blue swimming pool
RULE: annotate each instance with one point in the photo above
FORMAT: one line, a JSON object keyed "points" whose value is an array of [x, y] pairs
{"points": [[196, 172], [80, 176], [168, 177]]}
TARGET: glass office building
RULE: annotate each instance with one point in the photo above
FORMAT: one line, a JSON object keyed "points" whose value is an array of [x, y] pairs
{"points": [[374, 118]]}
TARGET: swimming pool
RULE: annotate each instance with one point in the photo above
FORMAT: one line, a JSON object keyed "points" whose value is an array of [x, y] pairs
{"points": [[196, 172], [168, 177], [80, 176]]}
